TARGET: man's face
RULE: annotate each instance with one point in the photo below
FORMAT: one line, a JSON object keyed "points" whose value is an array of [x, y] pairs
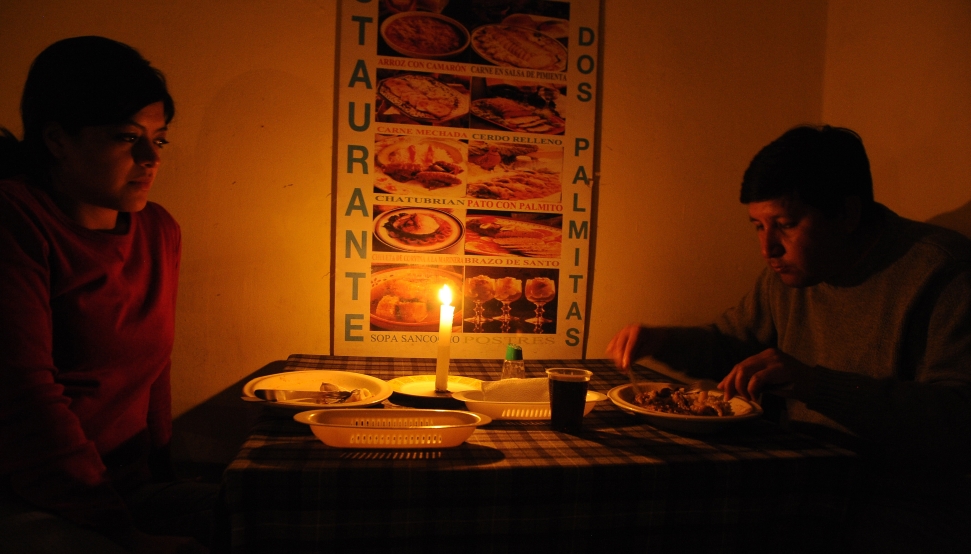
{"points": [[800, 244]]}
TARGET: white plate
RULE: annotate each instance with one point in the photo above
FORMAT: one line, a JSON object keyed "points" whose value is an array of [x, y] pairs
{"points": [[486, 245], [557, 125], [382, 233], [404, 49], [386, 149], [623, 398], [552, 58], [518, 410], [424, 385], [311, 380], [431, 279], [398, 429]]}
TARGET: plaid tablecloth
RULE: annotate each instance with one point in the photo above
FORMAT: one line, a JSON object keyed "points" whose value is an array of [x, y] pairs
{"points": [[517, 486]]}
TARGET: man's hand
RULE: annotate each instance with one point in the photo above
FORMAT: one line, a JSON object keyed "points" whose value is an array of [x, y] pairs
{"points": [[752, 375], [631, 343]]}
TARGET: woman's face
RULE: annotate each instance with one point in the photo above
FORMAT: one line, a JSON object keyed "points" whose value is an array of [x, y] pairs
{"points": [[106, 169]]}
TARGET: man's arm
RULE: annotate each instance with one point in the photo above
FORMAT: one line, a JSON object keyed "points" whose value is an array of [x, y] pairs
{"points": [[923, 417], [709, 351]]}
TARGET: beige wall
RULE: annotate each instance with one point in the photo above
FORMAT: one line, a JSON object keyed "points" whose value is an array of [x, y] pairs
{"points": [[691, 91], [899, 72]]}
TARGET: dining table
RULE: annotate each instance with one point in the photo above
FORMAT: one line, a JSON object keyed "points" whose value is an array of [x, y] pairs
{"points": [[618, 483]]}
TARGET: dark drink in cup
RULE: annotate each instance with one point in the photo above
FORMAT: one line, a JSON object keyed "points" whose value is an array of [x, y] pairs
{"points": [[568, 397]]}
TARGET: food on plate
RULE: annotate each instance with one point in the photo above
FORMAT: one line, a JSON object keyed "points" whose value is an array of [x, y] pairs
{"points": [[516, 186], [513, 46], [412, 311], [418, 228], [422, 97], [480, 288], [393, 308], [517, 116], [554, 27], [358, 395], [410, 298], [433, 163], [684, 402], [510, 171], [540, 96], [489, 155], [424, 35], [492, 235]]}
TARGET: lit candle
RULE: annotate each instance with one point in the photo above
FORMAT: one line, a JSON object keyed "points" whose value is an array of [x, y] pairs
{"points": [[444, 339]]}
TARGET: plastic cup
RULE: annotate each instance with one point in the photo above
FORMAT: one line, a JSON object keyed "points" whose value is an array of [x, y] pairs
{"points": [[568, 397]]}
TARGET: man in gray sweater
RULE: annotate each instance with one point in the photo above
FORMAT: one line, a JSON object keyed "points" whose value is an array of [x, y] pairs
{"points": [[862, 322]]}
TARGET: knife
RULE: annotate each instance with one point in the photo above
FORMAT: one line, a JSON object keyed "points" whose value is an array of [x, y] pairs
{"points": [[318, 397]]}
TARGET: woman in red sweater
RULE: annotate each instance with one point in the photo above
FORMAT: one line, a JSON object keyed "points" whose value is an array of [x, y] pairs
{"points": [[88, 276]]}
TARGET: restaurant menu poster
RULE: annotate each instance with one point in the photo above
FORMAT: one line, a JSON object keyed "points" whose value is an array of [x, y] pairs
{"points": [[465, 149]]}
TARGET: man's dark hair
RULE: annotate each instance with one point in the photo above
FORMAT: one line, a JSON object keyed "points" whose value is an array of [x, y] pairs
{"points": [[822, 166]]}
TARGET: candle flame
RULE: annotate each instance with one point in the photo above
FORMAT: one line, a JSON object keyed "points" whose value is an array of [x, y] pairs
{"points": [[445, 295]]}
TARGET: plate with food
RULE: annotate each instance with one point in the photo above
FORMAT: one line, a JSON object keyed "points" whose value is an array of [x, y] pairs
{"points": [[417, 229], [415, 165], [552, 26], [405, 298], [518, 116], [517, 185], [424, 35], [674, 407], [501, 236], [511, 171], [423, 98], [514, 46], [370, 390]]}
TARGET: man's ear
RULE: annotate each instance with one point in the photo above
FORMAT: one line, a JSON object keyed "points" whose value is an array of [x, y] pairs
{"points": [[852, 213], [55, 138]]}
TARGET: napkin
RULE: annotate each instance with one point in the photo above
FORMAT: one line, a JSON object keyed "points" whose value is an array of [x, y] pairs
{"points": [[517, 390]]}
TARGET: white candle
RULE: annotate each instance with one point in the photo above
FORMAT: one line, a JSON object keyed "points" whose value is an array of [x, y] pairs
{"points": [[444, 339]]}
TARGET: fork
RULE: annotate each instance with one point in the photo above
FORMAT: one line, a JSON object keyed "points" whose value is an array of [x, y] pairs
{"points": [[633, 381]]}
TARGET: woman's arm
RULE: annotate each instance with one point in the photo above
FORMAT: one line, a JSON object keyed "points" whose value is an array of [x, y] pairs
{"points": [[44, 451]]}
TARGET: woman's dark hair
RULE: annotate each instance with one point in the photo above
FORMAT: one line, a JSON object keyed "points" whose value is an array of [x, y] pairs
{"points": [[79, 82], [822, 166]]}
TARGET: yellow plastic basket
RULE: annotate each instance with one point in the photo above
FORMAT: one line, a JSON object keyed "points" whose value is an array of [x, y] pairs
{"points": [[392, 428]]}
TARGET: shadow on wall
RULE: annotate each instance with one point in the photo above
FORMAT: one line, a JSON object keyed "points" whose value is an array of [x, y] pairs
{"points": [[958, 220], [207, 437]]}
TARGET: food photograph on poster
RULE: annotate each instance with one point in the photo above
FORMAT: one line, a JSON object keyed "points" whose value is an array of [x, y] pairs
{"points": [[524, 35], [510, 300], [405, 297], [468, 131], [414, 98], [530, 235], [518, 106], [514, 171], [424, 230], [420, 166]]}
